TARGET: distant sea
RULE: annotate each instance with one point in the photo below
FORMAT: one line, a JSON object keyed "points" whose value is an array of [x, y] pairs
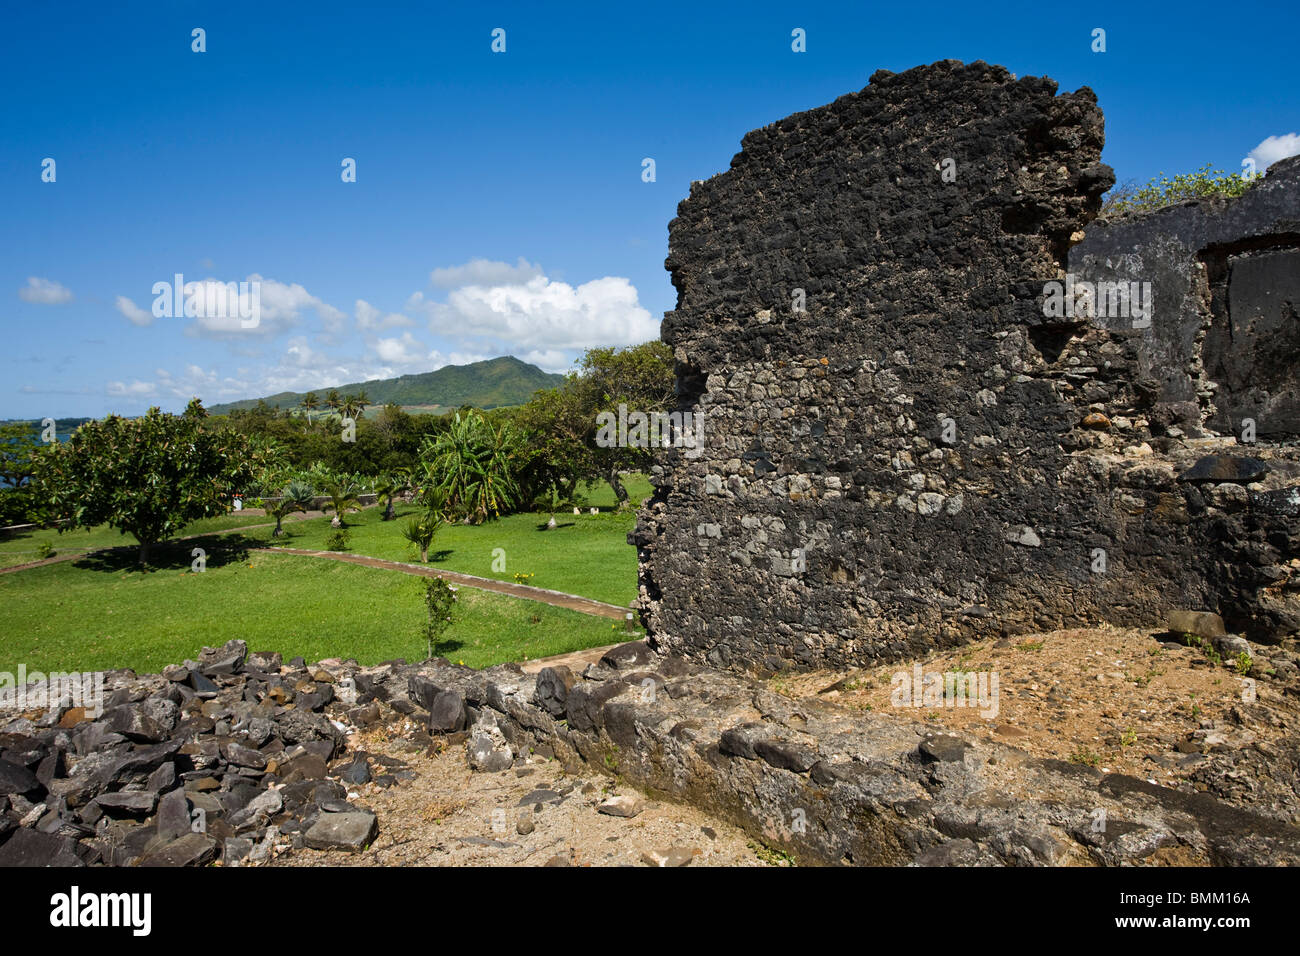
{"points": [[63, 429]]}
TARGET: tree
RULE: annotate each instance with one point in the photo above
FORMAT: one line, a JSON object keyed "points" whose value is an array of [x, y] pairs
{"points": [[498, 491], [439, 597], [19, 442], [642, 378], [20, 446], [342, 495], [297, 496], [148, 476], [423, 528], [353, 406], [266, 456], [333, 400], [388, 487], [560, 446], [420, 530], [310, 402], [473, 464], [561, 422], [391, 438]]}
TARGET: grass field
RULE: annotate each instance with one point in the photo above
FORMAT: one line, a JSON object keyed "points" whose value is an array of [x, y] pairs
{"points": [[584, 554], [88, 615], [22, 547], [100, 612]]}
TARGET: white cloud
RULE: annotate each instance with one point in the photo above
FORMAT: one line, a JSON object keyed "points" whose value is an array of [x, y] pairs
{"points": [[137, 315], [136, 389], [543, 314], [370, 319], [278, 306], [403, 352], [301, 355], [485, 272], [548, 360], [194, 381], [302, 369], [1274, 148], [492, 309], [459, 358], [44, 292]]}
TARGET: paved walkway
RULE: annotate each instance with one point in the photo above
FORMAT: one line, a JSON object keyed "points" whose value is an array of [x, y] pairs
{"points": [[546, 596], [575, 661]]}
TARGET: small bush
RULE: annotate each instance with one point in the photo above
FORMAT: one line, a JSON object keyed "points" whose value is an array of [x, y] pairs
{"points": [[1163, 191], [439, 597], [1086, 757], [337, 541], [44, 550], [421, 531]]}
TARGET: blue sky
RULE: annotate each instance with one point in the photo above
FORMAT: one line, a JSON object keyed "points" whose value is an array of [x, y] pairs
{"points": [[499, 205]]}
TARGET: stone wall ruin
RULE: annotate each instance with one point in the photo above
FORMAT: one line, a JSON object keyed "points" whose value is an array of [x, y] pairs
{"points": [[903, 451]]}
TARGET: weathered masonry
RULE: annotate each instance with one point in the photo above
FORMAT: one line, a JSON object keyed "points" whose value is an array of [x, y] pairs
{"points": [[906, 446]]}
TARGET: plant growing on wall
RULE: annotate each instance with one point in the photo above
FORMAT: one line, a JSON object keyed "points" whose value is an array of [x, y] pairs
{"points": [[1205, 183]]}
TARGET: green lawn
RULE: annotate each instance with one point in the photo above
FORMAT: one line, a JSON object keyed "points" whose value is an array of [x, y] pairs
{"points": [[584, 554], [99, 613], [21, 547]]}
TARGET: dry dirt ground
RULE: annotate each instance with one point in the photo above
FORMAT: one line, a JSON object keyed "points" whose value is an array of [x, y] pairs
{"points": [[1120, 700], [452, 816]]}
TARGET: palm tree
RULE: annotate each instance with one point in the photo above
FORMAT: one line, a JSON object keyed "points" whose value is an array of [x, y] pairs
{"points": [[343, 498], [422, 529], [309, 402], [472, 462], [350, 407], [451, 460], [499, 488], [389, 487], [333, 400], [362, 401], [297, 496]]}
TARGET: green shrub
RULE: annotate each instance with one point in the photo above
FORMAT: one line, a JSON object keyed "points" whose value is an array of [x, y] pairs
{"points": [[337, 541], [439, 597], [1163, 191], [473, 466]]}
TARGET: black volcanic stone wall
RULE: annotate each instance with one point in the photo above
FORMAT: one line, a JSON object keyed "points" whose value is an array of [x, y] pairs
{"points": [[1226, 276], [921, 457]]}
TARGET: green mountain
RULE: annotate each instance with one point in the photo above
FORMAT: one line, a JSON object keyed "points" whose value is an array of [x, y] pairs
{"points": [[490, 384]]}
